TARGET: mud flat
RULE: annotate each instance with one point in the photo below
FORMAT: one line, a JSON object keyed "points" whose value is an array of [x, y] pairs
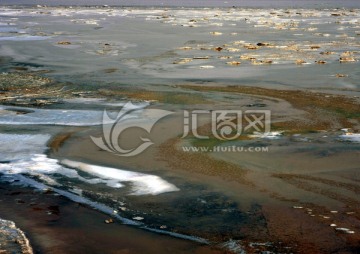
{"points": [[241, 197], [56, 225], [290, 181]]}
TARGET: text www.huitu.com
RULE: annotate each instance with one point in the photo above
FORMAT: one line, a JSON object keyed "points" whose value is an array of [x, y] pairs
{"points": [[225, 149]]}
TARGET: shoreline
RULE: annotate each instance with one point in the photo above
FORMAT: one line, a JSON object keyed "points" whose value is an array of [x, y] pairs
{"points": [[74, 143], [271, 201], [227, 178], [167, 73], [45, 217]]}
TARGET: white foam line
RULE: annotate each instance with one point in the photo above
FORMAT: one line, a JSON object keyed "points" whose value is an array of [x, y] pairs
{"points": [[73, 197], [178, 235]]}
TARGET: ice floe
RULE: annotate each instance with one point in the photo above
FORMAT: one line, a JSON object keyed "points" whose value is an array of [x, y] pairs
{"points": [[207, 67], [267, 135], [345, 230], [350, 137], [142, 184], [26, 156], [13, 239], [68, 117], [234, 246]]}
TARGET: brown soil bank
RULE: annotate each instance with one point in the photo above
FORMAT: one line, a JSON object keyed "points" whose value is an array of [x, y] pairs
{"points": [[325, 111]]}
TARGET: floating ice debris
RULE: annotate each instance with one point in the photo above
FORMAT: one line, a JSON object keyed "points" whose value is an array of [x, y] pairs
{"points": [[84, 21], [91, 22], [233, 50], [327, 53], [109, 221], [347, 53], [333, 211], [252, 47], [64, 43], [77, 191], [234, 63], [310, 29], [216, 33], [12, 239], [350, 137], [339, 75], [298, 207], [207, 67], [225, 57], [201, 57], [246, 57], [346, 130], [345, 230], [138, 218], [268, 244], [262, 62], [267, 135], [233, 246], [183, 61], [186, 48], [346, 59], [333, 225], [163, 227]]}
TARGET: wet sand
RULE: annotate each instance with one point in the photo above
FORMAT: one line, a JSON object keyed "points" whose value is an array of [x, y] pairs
{"points": [[56, 225], [294, 201]]}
